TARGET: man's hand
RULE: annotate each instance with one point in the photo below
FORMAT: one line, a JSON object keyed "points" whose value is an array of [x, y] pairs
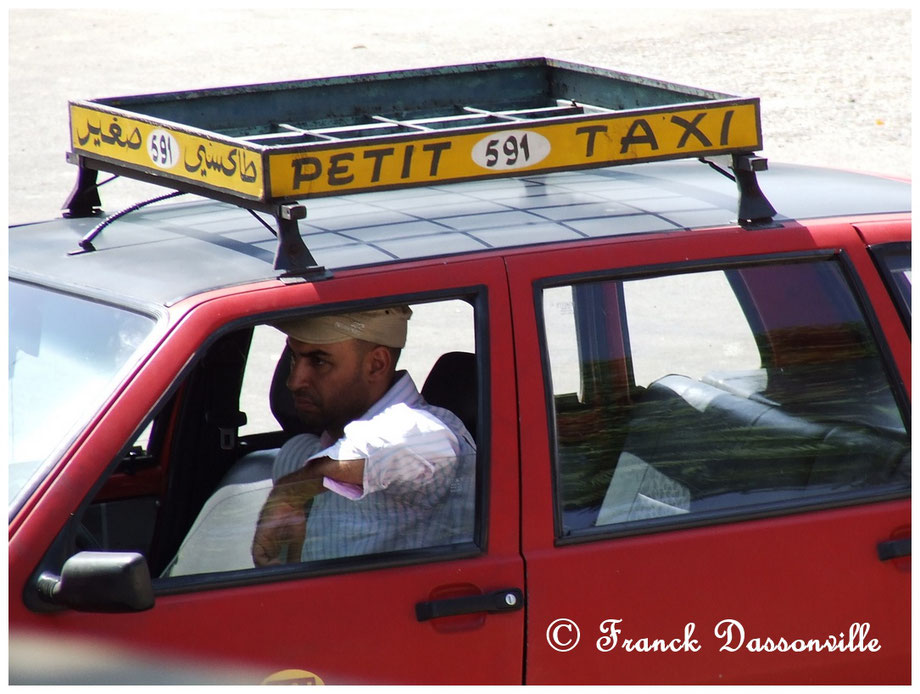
{"points": [[282, 522]]}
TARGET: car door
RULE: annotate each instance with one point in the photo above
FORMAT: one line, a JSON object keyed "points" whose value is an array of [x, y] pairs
{"points": [[716, 482], [425, 615]]}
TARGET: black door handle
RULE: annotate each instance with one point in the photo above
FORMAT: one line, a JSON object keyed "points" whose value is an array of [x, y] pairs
{"points": [[506, 600], [892, 549]]}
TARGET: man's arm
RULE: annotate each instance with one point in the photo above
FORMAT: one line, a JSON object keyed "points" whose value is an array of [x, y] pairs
{"points": [[283, 519], [345, 471]]}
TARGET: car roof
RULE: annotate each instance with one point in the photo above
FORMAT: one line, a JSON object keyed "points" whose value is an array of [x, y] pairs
{"points": [[166, 252]]}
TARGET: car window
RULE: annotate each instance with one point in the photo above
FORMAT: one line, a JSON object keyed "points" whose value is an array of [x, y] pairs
{"points": [[267, 344], [704, 395], [65, 355], [218, 473], [894, 261]]}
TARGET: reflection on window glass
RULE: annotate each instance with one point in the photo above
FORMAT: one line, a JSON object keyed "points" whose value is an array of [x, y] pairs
{"points": [[267, 344], [437, 512], [559, 318], [894, 261], [715, 394], [65, 354], [706, 329]]}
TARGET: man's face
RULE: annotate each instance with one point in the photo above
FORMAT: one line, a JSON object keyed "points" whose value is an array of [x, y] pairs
{"points": [[329, 383]]}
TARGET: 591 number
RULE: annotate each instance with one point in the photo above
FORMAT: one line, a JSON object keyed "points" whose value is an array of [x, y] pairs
{"points": [[513, 149], [163, 149]]}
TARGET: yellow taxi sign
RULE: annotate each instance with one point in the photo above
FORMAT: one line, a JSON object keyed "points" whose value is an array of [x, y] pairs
{"points": [[533, 147], [265, 145], [162, 149]]}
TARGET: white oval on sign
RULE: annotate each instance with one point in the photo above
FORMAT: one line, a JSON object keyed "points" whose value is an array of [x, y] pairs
{"points": [[510, 149], [163, 149]]}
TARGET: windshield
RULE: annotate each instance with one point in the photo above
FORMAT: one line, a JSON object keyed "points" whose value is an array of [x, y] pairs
{"points": [[65, 356]]}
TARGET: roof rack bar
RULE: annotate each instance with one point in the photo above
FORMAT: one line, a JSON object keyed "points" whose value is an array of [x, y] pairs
{"points": [[345, 130], [402, 123], [562, 108], [294, 130], [493, 114], [457, 118], [586, 108], [293, 137]]}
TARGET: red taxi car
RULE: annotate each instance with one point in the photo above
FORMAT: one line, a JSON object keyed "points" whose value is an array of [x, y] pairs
{"points": [[687, 375]]}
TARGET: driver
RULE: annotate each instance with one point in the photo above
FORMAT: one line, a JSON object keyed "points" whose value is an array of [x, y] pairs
{"points": [[388, 472]]}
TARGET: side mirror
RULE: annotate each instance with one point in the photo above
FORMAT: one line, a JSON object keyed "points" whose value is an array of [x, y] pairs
{"points": [[100, 582]]}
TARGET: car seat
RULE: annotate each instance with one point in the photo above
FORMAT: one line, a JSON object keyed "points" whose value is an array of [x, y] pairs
{"points": [[452, 384]]}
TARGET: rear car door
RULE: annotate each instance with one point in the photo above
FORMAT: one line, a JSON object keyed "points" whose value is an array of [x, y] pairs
{"points": [[723, 491], [392, 617]]}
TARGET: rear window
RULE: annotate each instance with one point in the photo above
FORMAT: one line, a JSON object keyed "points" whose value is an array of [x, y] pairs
{"points": [[697, 396]]}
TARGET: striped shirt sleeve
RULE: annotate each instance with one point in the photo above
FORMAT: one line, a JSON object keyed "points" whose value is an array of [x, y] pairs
{"points": [[405, 451]]}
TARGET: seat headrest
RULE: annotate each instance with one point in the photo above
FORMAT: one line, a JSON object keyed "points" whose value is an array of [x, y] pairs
{"points": [[452, 384]]}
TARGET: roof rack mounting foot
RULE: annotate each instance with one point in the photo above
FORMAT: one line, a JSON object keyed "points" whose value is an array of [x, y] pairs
{"points": [[84, 199], [292, 256], [753, 206]]}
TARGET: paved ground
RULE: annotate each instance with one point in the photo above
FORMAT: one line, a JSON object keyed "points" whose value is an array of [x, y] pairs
{"points": [[835, 85]]}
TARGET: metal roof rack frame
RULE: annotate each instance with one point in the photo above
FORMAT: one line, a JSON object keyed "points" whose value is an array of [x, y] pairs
{"points": [[267, 147]]}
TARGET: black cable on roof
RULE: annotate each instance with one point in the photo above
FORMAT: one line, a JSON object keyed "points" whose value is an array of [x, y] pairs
{"points": [[86, 243]]}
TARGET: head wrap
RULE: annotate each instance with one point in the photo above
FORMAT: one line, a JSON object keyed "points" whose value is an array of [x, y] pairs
{"points": [[386, 326]]}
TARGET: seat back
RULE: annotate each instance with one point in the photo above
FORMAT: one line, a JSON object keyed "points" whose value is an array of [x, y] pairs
{"points": [[695, 447], [453, 385]]}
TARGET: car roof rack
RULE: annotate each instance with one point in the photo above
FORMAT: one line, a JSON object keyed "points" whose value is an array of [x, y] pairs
{"points": [[267, 147]]}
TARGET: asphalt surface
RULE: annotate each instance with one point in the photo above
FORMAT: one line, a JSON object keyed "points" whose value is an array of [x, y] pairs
{"points": [[834, 84]]}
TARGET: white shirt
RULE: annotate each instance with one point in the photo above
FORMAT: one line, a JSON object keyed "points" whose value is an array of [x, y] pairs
{"points": [[418, 486]]}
